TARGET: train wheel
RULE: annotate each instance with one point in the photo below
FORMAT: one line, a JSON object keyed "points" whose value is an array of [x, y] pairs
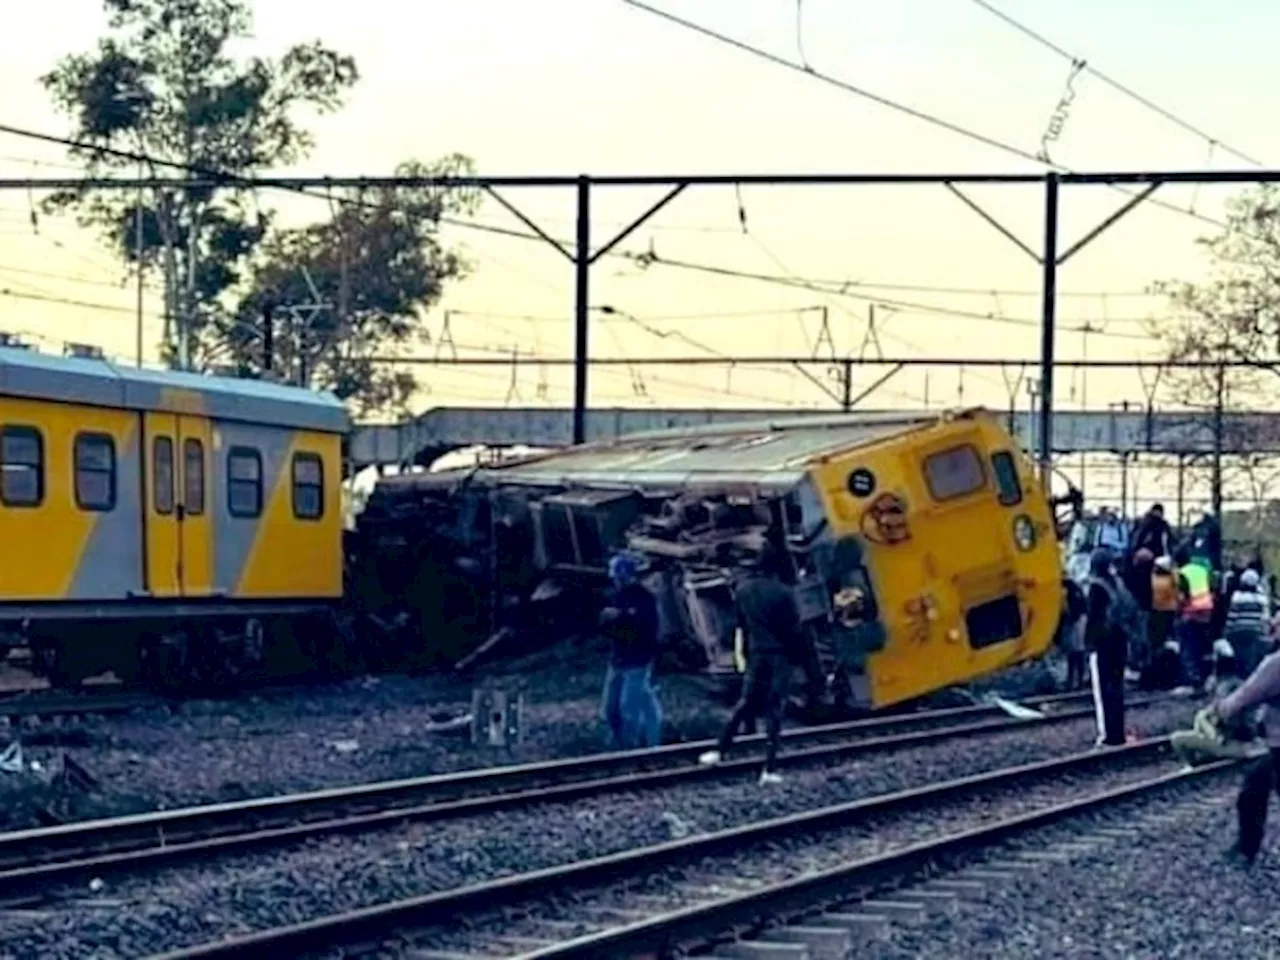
{"points": [[62, 665]]}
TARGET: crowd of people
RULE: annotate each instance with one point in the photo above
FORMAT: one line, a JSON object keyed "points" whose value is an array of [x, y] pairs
{"points": [[1174, 616], [1155, 608]]}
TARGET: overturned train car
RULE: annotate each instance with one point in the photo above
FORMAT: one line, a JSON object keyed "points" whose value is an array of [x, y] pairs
{"points": [[922, 553]]}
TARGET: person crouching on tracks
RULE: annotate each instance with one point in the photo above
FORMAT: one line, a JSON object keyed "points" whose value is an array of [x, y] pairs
{"points": [[1262, 688], [1107, 640], [630, 621], [771, 629]]}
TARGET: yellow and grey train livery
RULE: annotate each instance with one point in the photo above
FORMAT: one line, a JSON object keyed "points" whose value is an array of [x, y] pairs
{"points": [[155, 521]]}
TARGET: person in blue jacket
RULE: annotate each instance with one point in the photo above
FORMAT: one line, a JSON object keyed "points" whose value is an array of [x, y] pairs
{"points": [[630, 622]]}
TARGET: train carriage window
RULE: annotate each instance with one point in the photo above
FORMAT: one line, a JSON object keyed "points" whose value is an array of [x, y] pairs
{"points": [[95, 466], [21, 467], [193, 477], [244, 482], [1008, 486], [308, 486], [162, 474], [954, 473]]}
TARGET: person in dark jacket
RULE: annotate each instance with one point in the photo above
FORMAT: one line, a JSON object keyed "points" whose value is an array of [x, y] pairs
{"points": [[1108, 646], [1262, 688], [775, 644], [630, 621], [1073, 642], [1153, 533]]}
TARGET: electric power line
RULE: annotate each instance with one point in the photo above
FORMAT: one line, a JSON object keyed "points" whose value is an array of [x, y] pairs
{"points": [[913, 112], [1113, 83]]}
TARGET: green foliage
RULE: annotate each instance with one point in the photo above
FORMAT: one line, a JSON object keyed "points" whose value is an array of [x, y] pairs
{"points": [[164, 85], [1234, 317], [375, 265], [1231, 322]]}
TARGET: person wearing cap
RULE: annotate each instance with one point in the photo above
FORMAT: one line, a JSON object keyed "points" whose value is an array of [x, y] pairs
{"points": [[775, 644], [630, 621], [1248, 620]]}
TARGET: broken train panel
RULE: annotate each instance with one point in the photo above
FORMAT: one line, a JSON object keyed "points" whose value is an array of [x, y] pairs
{"points": [[921, 553]]}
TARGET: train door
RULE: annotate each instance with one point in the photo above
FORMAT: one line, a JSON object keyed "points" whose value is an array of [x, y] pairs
{"points": [[163, 513], [982, 575], [196, 544]]}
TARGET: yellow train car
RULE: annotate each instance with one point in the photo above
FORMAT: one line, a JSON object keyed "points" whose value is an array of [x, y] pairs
{"points": [[152, 518], [922, 552]]}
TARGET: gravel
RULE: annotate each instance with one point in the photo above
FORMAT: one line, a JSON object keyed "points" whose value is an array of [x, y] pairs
{"points": [[1167, 893], [210, 751], [298, 739], [329, 875]]}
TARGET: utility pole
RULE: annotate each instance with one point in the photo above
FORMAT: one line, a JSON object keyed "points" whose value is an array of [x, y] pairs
{"points": [[1219, 405], [581, 318], [268, 337], [1048, 325], [137, 258], [170, 271], [846, 380]]}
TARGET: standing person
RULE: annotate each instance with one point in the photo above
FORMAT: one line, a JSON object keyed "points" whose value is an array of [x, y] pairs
{"points": [[1112, 533], [774, 643], [1073, 642], [1153, 532], [630, 621], [1195, 616], [1164, 602], [1206, 542], [1261, 688], [1107, 643], [1248, 621], [1137, 581]]}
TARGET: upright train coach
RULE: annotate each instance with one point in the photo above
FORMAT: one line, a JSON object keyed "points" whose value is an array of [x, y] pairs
{"points": [[161, 524], [923, 552]]}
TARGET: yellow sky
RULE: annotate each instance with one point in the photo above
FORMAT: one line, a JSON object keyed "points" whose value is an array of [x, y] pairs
{"points": [[596, 86]]}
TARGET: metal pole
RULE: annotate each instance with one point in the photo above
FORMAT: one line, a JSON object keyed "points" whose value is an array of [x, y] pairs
{"points": [[268, 338], [582, 270], [1047, 321], [846, 401], [1219, 403], [137, 255], [1180, 520]]}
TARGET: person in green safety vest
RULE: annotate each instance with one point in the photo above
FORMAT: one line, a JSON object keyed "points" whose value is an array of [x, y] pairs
{"points": [[1194, 616]]}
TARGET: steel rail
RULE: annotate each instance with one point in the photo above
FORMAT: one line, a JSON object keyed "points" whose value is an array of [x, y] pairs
{"points": [[444, 908], [43, 703], [784, 903], [36, 858]]}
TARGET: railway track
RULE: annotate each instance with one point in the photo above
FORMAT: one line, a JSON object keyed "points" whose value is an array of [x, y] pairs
{"points": [[45, 703], [802, 887], [32, 860]]}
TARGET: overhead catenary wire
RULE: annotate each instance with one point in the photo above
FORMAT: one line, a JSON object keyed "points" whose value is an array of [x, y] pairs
{"points": [[923, 116], [1115, 84], [642, 258]]}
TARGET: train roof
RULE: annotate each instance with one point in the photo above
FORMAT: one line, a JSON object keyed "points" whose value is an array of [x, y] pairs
{"points": [[768, 454], [101, 383]]}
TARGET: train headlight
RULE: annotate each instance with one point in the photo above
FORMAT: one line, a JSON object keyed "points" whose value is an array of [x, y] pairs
{"points": [[1024, 532]]}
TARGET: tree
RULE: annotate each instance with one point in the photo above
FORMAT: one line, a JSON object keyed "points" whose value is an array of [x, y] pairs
{"points": [[163, 85], [1230, 323], [365, 276]]}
